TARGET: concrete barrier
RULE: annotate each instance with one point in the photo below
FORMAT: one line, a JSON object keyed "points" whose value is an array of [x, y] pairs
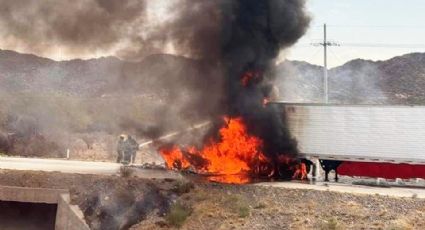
{"points": [[68, 217], [30, 195]]}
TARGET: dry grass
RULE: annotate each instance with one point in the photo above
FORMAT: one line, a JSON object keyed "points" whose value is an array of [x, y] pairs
{"points": [[400, 224], [125, 172], [331, 224], [245, 207], [238, 205], [178, 214], [260, 205], [219, 210]]}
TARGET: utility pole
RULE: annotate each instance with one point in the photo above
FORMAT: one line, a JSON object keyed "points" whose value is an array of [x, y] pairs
{"points": [[325, 66], [325, 45]]}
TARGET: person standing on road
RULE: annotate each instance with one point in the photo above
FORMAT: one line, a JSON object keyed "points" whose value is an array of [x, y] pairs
{"points": [[121, 148], [133, 146], [127, 148]]}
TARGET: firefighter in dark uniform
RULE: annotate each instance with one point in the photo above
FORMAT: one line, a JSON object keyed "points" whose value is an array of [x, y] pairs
{"points": [[127, 148]]}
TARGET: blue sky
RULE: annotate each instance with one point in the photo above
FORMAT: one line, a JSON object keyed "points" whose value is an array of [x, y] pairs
{"points": [[368, 29]]}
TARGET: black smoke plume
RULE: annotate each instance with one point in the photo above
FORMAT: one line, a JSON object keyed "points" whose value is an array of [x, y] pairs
{"points": [[227, 48], [74, 26], [253, 34]]}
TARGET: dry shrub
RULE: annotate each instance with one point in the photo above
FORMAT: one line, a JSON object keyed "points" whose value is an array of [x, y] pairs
{"points": [[200, 195], [37, 146], [331, 224], [261, 205], [125, 171], [178, 214], [182, 187]]}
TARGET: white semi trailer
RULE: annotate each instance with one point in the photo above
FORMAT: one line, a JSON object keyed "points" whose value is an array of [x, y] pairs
{"points": [[373, 133]]}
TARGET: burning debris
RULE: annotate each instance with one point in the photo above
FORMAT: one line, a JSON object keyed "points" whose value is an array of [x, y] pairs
{"points": [[236, 152], [252, 139]]}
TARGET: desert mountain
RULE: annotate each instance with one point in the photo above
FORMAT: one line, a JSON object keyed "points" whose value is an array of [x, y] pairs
{"points": [[24, 73], [400, 80]]}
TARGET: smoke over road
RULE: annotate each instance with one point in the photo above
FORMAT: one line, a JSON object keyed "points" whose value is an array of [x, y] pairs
{"points": [[130, 29], [254, 32], [231, 46]]}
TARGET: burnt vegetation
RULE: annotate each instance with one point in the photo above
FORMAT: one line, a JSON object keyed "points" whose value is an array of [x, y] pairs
{"points": [[129, 202]]}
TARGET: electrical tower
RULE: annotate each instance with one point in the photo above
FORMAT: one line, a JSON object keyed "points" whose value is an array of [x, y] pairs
{"points": [[325, 45]]}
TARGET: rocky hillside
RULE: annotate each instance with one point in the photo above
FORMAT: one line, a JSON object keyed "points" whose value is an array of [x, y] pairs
{"points": [[299, 81], [400, 80], [46, 103], [25, 73], [28, 73]]}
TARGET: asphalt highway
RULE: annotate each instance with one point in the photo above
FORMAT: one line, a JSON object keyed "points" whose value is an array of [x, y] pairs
{"points": [[59, 165]]}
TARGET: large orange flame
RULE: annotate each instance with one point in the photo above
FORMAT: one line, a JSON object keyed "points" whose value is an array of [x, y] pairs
{"points": [[236, 157], [174, 159], [236, 153]]}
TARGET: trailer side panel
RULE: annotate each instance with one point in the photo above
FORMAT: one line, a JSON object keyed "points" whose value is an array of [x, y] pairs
{"points": [[393, 134]]}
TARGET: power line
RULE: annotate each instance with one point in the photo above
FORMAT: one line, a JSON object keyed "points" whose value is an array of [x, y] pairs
{"points": [[383, 45], [375, 26], [335, 55], [366, 45], [326, 43]]}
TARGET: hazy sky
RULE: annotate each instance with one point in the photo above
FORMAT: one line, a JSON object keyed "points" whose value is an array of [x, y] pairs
{"points": [[368, 29]]}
